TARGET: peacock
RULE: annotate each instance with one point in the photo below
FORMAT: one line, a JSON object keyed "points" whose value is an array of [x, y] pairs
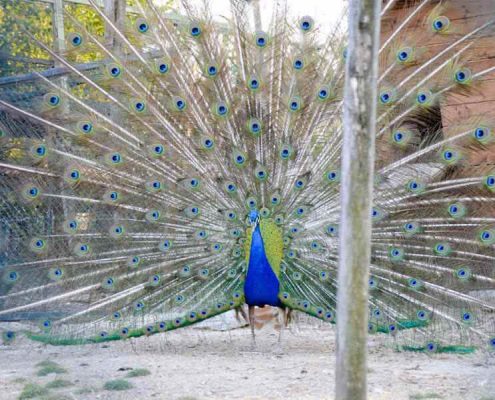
{"points": [[193, 167]]}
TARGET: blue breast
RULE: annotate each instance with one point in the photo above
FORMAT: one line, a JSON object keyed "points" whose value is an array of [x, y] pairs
{"points": [[261, 286]]}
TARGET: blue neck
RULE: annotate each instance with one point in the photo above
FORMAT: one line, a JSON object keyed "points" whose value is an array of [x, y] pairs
{"points": [[261, 286]]}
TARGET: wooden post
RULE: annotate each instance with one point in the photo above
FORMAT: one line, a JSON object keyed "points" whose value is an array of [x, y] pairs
{"points": [[356, 198], [116, 11]]}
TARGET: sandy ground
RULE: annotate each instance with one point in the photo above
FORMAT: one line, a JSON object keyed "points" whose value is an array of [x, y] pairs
{"points": [[203, 363]]}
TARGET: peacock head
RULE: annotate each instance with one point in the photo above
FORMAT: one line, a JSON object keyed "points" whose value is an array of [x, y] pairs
{"points": [[253, 217]]}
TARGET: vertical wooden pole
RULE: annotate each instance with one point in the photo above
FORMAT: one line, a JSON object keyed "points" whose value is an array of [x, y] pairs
{"points": [[356, 198], [58, 26], [116, 11]]}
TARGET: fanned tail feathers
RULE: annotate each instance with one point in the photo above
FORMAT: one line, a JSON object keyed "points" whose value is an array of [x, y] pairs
{"points": [[126, 182]]}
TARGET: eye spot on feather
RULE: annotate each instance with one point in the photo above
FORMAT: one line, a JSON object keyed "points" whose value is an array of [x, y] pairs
{"points": [[254, 126], [463, 273], [411, 227], [195, 30], [254, 84], [457, 210], [405, 55], [142, 26], [463, 76], [298, 64], [300, 183], [490, 182], [372, 283], [441, 24], [415, 186], [324, 93], [8, 336], [261, 39], [467, 317], [239, 159], [12, 276], [295, 104], [483, 134], [207, 143], [212, 71], [221, 109], [179, 104], [386, 97], [442, 249], [163, 68], [46, 325], [75, 39], [52, 100], [424, 98], [85, 127], [487, 236], [332, 176], [286, 152], [165, 245], [331, 230], [431, 347], [306, 24]]}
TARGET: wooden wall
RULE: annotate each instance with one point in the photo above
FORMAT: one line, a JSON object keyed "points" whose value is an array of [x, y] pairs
{"points": [[465, 15]]}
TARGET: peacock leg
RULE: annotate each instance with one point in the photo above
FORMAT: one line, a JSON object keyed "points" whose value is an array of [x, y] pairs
{"points": [[240, 310], [251, 323], [288, 317]]}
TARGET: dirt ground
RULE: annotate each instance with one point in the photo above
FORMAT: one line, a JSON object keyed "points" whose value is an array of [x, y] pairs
{"points": [[205, 363]]}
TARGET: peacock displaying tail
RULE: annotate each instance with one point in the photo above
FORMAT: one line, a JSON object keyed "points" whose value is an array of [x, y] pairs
{"points": [[194, 167]]}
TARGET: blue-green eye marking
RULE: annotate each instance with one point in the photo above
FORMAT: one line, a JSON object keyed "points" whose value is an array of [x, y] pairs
{"points": [[463, 76], [254, 126], [450, 156], [306, 24], [12, 276], [179, 104], [53, 100], [286, 152], [195, 30], [254, 83], [424, 98], [333, 176], [324, 93], [76, 40], [442, 249], [482, 134], [440, 24], [261, 39], [86, 127], [404, 55], [295, 104], [298, 64], [143, 27], [386, 97], [163, 68], [415, 186], [221, 109], [400, 137]]}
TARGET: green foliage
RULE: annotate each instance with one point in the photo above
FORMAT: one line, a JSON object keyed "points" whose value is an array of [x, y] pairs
{"points": [[32, 390], [425, 396], [138, 372], [15, 46], [118, 384], [49, 367], [58, 383]]}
